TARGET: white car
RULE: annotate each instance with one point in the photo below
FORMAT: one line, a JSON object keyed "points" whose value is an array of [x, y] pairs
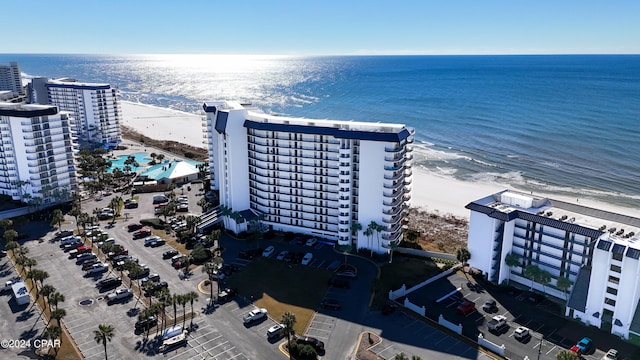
{"points": [[612, 354], [120, 294], [276, 331], [306, 260], [255, 315], [521, 333], [98, 268], [311, 242], [268, 251]]}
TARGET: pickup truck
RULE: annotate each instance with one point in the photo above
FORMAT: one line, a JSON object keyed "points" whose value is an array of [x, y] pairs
{"points": [[254, 316], [497, 322], [120, 294]]}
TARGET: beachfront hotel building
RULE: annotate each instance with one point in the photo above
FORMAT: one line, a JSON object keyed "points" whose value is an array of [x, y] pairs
{"points": [[597, 251], [315, 177], [10, 79], [37, 153], [95, 107]]}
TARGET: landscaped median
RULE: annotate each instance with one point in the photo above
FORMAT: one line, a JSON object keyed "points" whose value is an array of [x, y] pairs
{"points": [[281, 287]]}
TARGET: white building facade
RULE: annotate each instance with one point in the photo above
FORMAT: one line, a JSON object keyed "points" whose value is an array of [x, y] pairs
{"points": [[11, 79], [37, 153], [597, 251], [95, 107], [324, 178]]}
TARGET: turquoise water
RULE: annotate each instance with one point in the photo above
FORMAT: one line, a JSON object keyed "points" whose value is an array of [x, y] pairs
{"points": [[141, 158]]}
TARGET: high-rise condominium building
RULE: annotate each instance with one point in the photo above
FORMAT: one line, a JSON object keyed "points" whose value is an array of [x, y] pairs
{"points": [[10, 78], [37, 153], [325, 178], [95, 108], [586, 257]]}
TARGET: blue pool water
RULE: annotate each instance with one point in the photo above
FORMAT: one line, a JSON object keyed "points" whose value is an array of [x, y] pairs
{"points": [[141, 158]]}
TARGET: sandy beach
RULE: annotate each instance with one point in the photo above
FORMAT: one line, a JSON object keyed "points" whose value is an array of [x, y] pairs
{"points": [[445, 195]]}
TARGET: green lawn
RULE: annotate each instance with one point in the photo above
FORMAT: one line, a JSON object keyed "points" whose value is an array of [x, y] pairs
{"points": [[404, 270], [280, 288]]}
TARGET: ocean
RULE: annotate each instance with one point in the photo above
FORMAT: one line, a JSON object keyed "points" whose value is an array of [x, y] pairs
{"points": [[559, 124]]}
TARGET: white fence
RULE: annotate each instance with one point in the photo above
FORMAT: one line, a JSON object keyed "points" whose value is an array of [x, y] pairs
{"points": [[498, 349], [457, 328], [425, 253], [413, 307]]}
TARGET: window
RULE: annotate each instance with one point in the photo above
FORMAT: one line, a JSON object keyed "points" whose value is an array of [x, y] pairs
{"points": [[616, 268], [612, 291], [609, 302], [617, 257], [613, 279]]}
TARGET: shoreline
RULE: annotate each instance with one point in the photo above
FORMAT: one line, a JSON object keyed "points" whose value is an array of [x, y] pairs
{"points": [[430, 192]]}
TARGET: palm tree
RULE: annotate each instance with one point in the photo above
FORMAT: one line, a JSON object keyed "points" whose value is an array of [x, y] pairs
{"points": [[289, 321], [46, 292], [563, 283], [57, 217], [531, 271], [355, 228], [512, 259], [10, 235], [103, 335], [401, 356], [210, 268], [6, 224], [544, 278], [463, 255], [11, 246], [55, 299], [58, 315], [192, 296], [182, 300], [368, 232], [53, 332], [37, 276], [175, 300]]}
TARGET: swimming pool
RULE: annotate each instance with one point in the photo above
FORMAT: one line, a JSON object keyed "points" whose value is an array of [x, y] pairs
{"points": [[141, 158]]}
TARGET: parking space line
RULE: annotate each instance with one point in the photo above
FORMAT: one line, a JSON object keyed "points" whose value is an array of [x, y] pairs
{"points": [[476, 299], [319, 329], [220, 353], [322, 263], [553, 348]]}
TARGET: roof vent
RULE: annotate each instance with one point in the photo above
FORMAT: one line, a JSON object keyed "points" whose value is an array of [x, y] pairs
{"points": [[549, 213], [563, 217], [603, 228]]}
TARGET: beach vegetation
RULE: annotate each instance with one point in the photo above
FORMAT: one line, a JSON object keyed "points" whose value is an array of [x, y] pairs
{"points": [[563, 283], [103, 335]]}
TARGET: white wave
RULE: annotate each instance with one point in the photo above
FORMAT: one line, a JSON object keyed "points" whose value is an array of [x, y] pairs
{"points": [[510, 178], [446, 171], [426, 153]]}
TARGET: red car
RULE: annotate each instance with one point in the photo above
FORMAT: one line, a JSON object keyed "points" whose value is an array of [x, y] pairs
{"points": [[83, 249], [465, 307]]}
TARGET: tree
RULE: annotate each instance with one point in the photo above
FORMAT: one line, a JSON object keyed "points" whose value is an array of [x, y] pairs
{"points": [[11, 246], [368, 233], [103, 335], [46, 292], [183, 299], [563, 283], [355, 228], [531, 272], [175, 300], [57, 217], [10, 235], [511, 260], [53, 332], [55, 298], [191, 297], [57, 315], [401, 356], [199, 254], [567, 355], [211, 268], [463, 255], [544, 278], [6, 224], [289, 321]]}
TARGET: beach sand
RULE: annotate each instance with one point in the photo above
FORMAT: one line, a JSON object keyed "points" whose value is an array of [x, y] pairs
{"points": [[430, 192]]}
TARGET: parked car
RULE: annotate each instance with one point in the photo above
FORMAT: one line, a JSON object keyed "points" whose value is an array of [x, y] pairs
{"points": [[250, 254], [150, 239], [268, 251], [97, 269], [169, 254], [311, 242], [281, 255], [130, 204], [145, 324], [88, 264], [64, 233], [150, 278], [134, 227], [465, 307], [229, 269], [339, 282], [288, 257], [331, 304], [120, 294], [275, 332], [521, 333], [109, 283], [490, 306], [85, 256], [226, 295], [182, 207], [584, 346], [307, 340], [306, 260], [255, 316], [142, 233]]}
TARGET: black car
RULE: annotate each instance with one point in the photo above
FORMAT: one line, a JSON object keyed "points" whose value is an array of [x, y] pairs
{"points": [[145, 324], [288, 257], [226, 295], [331, 304], [307, 340], [169, 254], [250, 254], [134, 227], [339, 283], [157, 243], [130, 204], [109, 283], [229, 269], [83, 258]]}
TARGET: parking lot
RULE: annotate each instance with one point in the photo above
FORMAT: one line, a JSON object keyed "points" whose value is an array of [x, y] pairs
{"points": [[549, 334]]}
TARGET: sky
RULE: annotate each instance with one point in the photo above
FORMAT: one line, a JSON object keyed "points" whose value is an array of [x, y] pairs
{"points": [[328, 27]]}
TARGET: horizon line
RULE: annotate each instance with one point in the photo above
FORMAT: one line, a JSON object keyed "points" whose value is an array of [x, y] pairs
{"points": [[326, 55]]}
